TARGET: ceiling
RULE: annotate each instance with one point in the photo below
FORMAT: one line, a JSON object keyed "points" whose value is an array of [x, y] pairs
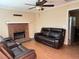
{"points": [[20, 4]]}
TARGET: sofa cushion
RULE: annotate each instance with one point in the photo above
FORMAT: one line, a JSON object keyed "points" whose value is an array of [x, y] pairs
{"points": [[56, 35], [46, 38], [45, 31], [56, 29], [20, 51]]}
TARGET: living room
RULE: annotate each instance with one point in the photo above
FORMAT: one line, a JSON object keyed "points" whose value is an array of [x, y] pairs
{"points": [[35, 20]]}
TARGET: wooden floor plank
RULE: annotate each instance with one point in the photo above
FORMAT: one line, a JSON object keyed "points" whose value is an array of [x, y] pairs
{"points": [[46, 52]]}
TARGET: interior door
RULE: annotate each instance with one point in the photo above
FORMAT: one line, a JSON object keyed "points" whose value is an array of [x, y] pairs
{"points": [[71, 29]]}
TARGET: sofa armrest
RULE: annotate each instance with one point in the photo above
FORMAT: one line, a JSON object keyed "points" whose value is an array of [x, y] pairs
{"points": [[36, 34], [30, 55]]}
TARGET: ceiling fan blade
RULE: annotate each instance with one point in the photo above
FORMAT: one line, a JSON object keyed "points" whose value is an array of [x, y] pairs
{"points": [[32, 7], [29, 4], [43, 2], [38, 0], [47, 5]]}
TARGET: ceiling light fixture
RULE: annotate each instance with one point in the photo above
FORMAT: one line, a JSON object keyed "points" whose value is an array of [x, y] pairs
{"points": [[38, 7]]}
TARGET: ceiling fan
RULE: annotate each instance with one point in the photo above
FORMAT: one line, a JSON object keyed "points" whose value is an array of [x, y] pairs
{"points": [[40, 5]]}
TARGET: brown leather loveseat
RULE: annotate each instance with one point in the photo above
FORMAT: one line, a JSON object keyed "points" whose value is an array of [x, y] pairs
{"points": [[16, 52]]}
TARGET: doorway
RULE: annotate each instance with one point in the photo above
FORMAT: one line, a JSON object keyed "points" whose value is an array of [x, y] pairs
{"points": [[73, 27]]}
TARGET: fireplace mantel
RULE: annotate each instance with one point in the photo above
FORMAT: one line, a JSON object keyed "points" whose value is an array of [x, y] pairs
{"points": [[16, 22]]}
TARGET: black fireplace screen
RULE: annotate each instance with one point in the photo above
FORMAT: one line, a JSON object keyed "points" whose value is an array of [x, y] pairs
{"points": [[19, 35]]}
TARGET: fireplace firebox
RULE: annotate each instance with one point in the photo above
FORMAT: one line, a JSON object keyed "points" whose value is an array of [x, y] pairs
{"points": [[19, 35]]}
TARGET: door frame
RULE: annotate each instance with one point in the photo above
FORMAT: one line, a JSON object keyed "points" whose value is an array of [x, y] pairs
{"points": [[69, 41]]}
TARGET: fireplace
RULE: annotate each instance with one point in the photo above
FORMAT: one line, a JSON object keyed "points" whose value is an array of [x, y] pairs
{"points": [[18, 31], [19, 35]]}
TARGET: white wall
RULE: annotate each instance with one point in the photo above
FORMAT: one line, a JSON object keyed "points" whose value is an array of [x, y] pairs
{"points": [[56, 17], [6, 16]]}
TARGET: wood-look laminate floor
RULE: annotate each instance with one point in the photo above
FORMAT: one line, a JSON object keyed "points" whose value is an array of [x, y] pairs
{"points": [[46, 52]]}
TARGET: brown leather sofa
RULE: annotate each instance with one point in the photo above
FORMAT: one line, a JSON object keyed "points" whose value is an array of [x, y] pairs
{"points": [[53, 37], [15, 51]]}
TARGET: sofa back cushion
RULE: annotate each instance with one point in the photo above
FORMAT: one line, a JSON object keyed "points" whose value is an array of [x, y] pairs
{"points": [[54, 34], [56, 29], [45, 31]]}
